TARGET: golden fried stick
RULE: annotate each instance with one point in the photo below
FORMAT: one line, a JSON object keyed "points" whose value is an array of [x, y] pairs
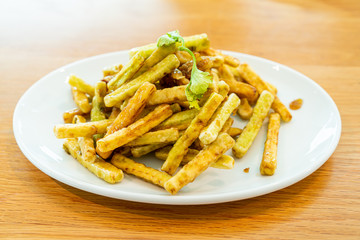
{"points": [[112, 70], [191, 134], [224, 162], [234, 131], [166, 66], [143, 150], [140, 170], [81, 85], [248, 135], [133, 108], [160, 136], [240, 88], [227, 125], [127, 72], [200, 163], [252, 78], [98, 112], [245, 110], [180, 120], [168, 95], [269, 162], [141, 126], [87, 129], [210, 132], [99, 167], [69, 115], [81, 100]]}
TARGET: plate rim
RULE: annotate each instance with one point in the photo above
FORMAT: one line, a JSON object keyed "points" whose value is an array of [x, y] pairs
{"points": [[178, 199]]}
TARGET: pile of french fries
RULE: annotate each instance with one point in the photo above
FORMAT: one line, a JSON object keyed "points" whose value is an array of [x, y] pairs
{"points": [[141, 107]]}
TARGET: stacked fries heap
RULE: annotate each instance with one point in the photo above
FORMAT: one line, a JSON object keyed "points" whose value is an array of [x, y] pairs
{"points": [[146, 105]]}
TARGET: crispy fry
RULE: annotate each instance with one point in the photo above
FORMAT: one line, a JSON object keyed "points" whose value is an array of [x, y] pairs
{"points": [[69, 115], [81, 129], [114, 113], [251, 77], [159, 54], [240, 88], [248, 135], [81, 85], [195, 43], [183, 57], [233, 131], [227, 125], [231, 61], [134, 107], [200, 163], [81, 100], [160, 136], [210, 132], [167, 65], [269, 162], [224, 162], [191, 134], [245, 110], [87, 149], [127, 72], [140, 170], [143, 150], [180, 120], [125, 135], [168, 95], [99, 167], [97, 112], [112, 70]]}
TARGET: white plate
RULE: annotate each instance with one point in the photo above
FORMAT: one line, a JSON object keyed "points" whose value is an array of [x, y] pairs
{"points": [[305, 143]]}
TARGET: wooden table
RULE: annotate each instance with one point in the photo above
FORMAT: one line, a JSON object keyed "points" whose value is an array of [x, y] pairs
{"points": [[318, 38]]}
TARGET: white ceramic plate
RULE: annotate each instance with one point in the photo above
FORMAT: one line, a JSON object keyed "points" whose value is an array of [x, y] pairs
{"points": [[305, 143]]}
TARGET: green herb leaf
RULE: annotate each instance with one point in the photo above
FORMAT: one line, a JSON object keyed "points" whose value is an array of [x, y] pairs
{"points": [[199, 80]]}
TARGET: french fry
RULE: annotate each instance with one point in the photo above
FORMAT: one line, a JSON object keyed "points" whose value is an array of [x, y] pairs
{"points": [[81, 85], [269, 162], [240, 88], [233, 131], [99, 167], [112, 70], [159, 54], [168, 95], [160, 136], [97, 112], [81, 100], [143, 150], [140, 170], [183, 57], [127, 72], [180, 120], [191, 134], [200, 163], [245, 110], [141, 126], [223, 88], [114, 113], [69, 115], [87, 129], [224, 162], [248, 135], [227, 125], [210, 132], [166, 66], [195, 43], [87, 149], [252, 78], [134, 107]]}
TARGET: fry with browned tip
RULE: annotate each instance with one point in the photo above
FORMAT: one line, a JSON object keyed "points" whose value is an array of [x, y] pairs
{"points": [[99, 167], [140, 170], [269, 162], [191, 134], [200, 163]]}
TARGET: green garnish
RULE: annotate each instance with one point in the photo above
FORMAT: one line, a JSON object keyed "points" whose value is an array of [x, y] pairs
{"points": [[199, 81]]}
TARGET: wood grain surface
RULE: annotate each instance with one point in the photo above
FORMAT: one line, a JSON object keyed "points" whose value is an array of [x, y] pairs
{"points": [[318, 38]]}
